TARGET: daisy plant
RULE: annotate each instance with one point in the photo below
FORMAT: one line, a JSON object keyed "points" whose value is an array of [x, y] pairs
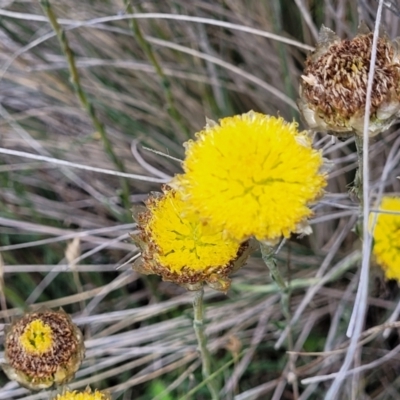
{"points": [[177, 245], [253, 176]]}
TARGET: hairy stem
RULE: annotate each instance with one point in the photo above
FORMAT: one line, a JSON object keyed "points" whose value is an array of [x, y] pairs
{"points": [[198, 325], [268, 257]]}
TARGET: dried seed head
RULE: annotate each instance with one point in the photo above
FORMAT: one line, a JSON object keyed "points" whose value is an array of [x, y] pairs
{"points": [[43, 349], [334, 85]]}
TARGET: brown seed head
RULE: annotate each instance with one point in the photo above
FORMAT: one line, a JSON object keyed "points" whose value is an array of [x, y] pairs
{"points": [[334, 85]]}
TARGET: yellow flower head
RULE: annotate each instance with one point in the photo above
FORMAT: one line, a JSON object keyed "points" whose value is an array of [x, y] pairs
{"points": [[176, 245], [43, 349], [86, 395], [334, 85], [37, 337], [387, 237], [253, 175]]}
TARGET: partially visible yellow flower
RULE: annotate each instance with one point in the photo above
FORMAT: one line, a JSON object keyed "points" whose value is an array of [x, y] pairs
{"points": [[85, 395], [176, 245], [387, 236], [43, 349], [334, 85], [253, 175]]}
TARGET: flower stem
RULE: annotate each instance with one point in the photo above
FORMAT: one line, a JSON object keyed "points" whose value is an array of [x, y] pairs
{"points": [[268, 256], [198, 325], [84, 100]]}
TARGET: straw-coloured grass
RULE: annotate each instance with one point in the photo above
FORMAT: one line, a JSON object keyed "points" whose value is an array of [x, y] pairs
{"points": [[64, 230]]}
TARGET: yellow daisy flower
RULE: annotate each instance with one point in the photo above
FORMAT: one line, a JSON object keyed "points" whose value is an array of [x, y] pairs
{"points": [[387, 237], [253, 175], [43, 349], [176, 245], [333, 87], [86, 395]]}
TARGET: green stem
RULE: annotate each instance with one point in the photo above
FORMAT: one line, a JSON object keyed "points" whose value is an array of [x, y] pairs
{"points": [[198, 325], [85, 102], [268, 256], [165, 83], [189, 395]]}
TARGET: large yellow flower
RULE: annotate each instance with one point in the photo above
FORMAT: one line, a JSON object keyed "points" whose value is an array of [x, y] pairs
{"points": [[176, 245], [387, 237], [253, 175]]}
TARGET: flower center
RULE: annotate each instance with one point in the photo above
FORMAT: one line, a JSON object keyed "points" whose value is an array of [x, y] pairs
{"points": [[37, 337]]}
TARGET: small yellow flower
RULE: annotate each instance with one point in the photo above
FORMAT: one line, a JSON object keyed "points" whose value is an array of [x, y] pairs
{"points": [[43, 349], [86, 395], [253, 175], [37, 337], [387, 237], [334, 85], [176, 245]]}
